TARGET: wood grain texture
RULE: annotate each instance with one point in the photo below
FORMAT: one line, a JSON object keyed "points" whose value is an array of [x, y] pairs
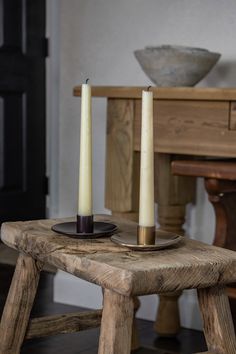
{"points": [[190, 127], [190, 264], [66, 323], [116, 327], [217, 320], [119, 155], [19, 302], [232, 119], [194, 127], [176, 93]]}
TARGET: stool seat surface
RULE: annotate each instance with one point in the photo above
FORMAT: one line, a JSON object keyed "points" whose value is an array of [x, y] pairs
{"points": [[190, 264]]}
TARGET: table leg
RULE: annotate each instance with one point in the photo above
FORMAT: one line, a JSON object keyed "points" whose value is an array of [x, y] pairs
{"points": [[171, 218], [172, 193], [222, 195], [217, 320], [116, 327], [19, 303]]}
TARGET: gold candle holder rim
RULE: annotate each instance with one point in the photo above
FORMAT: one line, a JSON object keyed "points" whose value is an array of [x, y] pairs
{"points": [[163, 239]]}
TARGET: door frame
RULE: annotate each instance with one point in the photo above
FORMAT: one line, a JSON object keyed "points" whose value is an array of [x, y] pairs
{"points": [[52, 105]]}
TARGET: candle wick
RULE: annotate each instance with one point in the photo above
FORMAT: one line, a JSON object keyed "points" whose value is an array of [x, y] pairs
{"points": [[87, 80], [149, 88]]}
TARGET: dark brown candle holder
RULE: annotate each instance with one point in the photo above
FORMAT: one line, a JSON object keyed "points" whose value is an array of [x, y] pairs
{"points": [[84, 224], [85, 228]]}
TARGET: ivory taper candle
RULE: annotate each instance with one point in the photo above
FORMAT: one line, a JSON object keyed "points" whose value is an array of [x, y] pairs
{"points": [[85, 165], [146, 199]]}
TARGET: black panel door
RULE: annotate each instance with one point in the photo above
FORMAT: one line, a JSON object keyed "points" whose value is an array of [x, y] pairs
{"points": [[22, 109]]}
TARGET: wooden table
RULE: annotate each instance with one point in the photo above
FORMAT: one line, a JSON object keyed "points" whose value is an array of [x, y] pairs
{"points": [[123, 274], [187, 121]]}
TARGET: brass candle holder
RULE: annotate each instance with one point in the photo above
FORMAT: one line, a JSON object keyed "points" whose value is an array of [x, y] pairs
{"points": [[146, 239], [146, 235], [85, 228]]}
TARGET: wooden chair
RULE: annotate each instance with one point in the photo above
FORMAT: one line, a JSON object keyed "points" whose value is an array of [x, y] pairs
{"points": [[220, 184], [123, 274]]}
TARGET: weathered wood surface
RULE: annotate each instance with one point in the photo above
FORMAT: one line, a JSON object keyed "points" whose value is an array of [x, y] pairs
{"points": [[19, 303], [119, 155], [66, 323], [190, 264], [217, 320], [116, 327], [174, 93]]}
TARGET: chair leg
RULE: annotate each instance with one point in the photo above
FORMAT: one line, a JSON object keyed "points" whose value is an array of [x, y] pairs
{"points": [[116, 327], [217, 320], [19, 303]]}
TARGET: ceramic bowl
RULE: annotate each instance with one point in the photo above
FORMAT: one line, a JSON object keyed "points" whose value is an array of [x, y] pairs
{"points": [[169, 65]]}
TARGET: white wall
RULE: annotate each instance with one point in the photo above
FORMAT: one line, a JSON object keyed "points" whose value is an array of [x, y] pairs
{"points": [[97, 40]]}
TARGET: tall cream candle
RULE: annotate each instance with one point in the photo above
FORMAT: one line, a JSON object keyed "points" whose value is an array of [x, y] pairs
{"points": [[146, 199], [85, 165]]}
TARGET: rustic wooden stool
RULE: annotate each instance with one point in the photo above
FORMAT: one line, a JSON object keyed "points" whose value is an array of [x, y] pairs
{"points": [[123, 274]]}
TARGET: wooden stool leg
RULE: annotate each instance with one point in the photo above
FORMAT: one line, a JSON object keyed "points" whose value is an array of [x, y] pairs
{"points": [[18, 305], [116, 327], [217, 320], [135, 344]]}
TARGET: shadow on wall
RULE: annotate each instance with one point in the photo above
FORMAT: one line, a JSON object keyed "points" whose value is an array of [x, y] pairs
{"points": [[223, 75]]}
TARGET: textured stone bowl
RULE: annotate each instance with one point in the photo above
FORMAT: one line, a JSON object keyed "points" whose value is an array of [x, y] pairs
{"points": [[176, 65]]}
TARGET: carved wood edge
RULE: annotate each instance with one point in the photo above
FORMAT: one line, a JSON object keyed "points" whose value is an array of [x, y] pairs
{"points": [[65, 323]]}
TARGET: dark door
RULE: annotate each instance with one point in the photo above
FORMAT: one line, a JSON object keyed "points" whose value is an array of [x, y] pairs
{"points": [[22, 109]]}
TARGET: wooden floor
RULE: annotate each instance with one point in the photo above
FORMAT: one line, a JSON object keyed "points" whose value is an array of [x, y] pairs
{"points": [[187, 342]]}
